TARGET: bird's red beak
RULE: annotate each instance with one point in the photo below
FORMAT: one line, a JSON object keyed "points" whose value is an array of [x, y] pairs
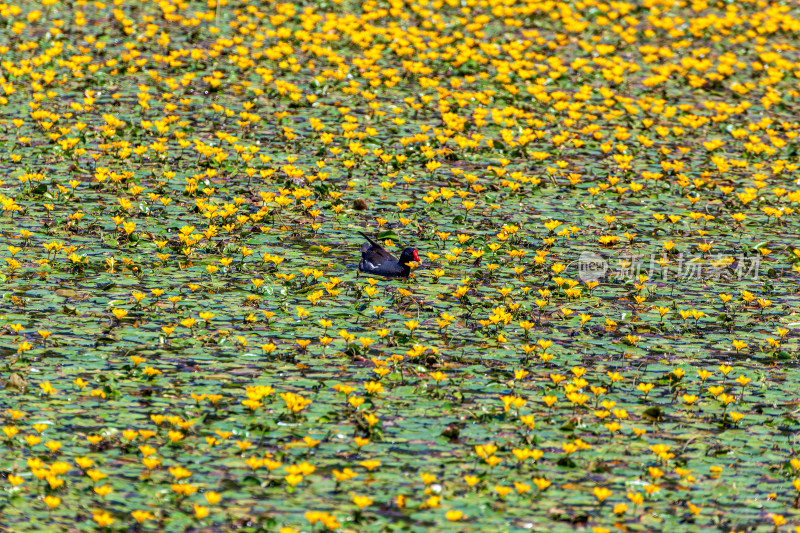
{"points": [[416, 257]]}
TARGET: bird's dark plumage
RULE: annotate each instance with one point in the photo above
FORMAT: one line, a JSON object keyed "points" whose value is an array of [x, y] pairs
{"points": [[377, 261]]}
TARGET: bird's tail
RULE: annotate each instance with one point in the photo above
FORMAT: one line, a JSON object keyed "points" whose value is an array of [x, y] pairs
{"points": [[373, 243]]}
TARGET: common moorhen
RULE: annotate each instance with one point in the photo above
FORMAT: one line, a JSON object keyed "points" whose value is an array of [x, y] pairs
{"points": [[377, 261]]}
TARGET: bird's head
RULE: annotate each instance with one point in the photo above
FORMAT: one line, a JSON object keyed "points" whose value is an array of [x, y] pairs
{"points": [[408, 255]]}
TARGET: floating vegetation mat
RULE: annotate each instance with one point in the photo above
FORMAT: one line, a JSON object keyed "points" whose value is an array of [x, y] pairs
{"points": [[600, 333]]}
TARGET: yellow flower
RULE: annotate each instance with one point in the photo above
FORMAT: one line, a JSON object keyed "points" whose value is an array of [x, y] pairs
{"points": [[601, 493], [739, 345], [293, 479], [103, 490], [373, 388], [454, 516], [178, 472], [370, 464], [141, 516], [541, 483], [52, 501], [84, 462], [103, 519], [502, 491], [362, 501], [472, 480]]}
